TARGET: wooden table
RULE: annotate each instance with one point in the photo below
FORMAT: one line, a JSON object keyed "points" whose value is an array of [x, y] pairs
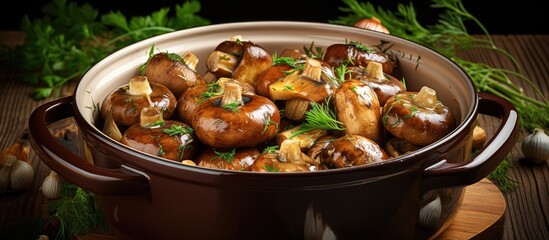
{"points": [[526, 209]]}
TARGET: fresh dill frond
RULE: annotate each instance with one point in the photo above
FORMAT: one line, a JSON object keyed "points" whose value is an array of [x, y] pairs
{"points": [[314, 52], [177, 129], [271, 149], [77, 212], [227, 156], [500, 177], [320, 116], [271, 168], [231, 106]]}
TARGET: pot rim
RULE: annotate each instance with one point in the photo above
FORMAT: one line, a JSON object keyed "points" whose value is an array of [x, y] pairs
{"points": [[160, 164]]}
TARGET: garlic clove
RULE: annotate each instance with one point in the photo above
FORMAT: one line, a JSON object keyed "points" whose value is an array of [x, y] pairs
{"points": [[535, 146], [21, 175], [52, 185]]}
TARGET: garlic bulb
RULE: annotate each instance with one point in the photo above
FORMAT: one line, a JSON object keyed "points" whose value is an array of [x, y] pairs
{"points": [[372, 24], [535, 146], [21, 175], [4, 178], [429, 215], [52, 185]]}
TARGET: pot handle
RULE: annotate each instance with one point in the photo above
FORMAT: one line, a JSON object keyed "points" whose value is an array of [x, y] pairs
{"points": [[72, 167], [490, 155]]}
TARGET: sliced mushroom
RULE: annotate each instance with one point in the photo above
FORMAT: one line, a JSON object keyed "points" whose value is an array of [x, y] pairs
{"points": [[417, 117], [357, 107]]}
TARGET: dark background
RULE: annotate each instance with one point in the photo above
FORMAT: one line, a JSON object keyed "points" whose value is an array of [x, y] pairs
{"points": [[499, 17]]}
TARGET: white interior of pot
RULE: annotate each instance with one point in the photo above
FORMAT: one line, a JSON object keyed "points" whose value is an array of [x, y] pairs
{"points": [[453, 87]]}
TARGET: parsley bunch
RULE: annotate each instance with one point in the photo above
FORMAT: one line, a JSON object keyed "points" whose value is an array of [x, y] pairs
{"points": [[69, 39]]}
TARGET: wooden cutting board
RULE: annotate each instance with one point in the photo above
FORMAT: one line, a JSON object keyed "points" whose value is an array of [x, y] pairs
{"points": [[480, 216]]}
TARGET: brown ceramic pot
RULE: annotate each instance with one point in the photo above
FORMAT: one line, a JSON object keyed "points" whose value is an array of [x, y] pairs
{"points": [[145, 197]]}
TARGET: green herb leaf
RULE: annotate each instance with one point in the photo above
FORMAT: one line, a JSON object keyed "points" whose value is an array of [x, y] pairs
{"points": [[227, 156], [177, 129], [320, 116], [69, 39]]}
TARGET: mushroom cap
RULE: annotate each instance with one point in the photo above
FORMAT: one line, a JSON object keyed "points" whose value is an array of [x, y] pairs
{"points": [[254, 123], [417, 125], [126, 108]]}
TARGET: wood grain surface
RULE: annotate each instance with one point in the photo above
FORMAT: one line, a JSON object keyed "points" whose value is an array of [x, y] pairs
{"points": [[526, 207]]}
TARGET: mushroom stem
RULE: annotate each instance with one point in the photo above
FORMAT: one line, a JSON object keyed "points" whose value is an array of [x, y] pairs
{"points": [[295, 108], [375, 69], [111, 129], [220, 61], [139, 85], [191, 60], [150, 116], [232, 93], [289, 151], [312, 69], [426, 98], [236, 38]]}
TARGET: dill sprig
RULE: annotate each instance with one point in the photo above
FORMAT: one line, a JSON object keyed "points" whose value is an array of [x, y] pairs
{"points": [[320, 116], [177, 129], [227, 156], [77, 212], [499, 176]]}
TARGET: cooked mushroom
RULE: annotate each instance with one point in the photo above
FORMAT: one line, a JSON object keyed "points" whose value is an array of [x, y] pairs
{"points": [[236, 120], [417, 117], [305, 140], [289, 158], [352, 150], [175, 72], [383, 84], [318, 146], [235, 159], [281, 66], [357, 107], [356, 54], [126, 102], [238, 59], [396, 147], [301, 87], [190, 99], [269, 76], [169, 139]]}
